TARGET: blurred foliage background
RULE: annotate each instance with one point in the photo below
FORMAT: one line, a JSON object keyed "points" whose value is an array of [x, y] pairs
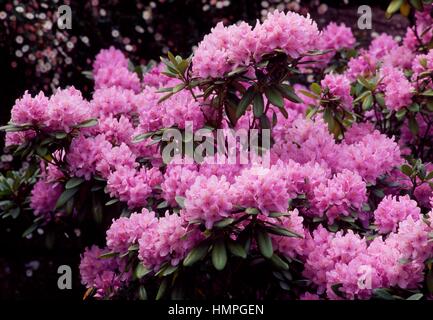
{"points": [[36, 55]]}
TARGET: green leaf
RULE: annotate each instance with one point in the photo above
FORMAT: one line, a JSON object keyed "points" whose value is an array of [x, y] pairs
{"points": [[413, 126], [65, 196], [108, 255], [162, 205], [224, 223], [236, 249], [140, 271], [162, 288], [415, 107], [417, 4], [168, 270], [264, 122], [280, 231], [394, 6], [219, 255], [289, 93], [382, 293], [88, 123], [180, 201], [73, 182], [265, 243], [245, 101], [195, 255], [315, 87], [279, 263], [258, 105], [274, 96], [364, 82], [400, 114], [252, 211], [309, 94], [416, 296], [30, 230], [406, 169], [368, 102], [112, 201], [142, 293]]}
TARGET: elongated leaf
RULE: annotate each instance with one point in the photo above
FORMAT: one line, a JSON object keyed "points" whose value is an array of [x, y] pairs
{"points": [[219, 255], [65, 196], [88, 123], [258, 105], [394, 6], [236, 249], [73, 182], [195, 255], [245, 101], [265, 243], [140, 271], [289, 93], [279, 263], [162, 289], [274, 96]]}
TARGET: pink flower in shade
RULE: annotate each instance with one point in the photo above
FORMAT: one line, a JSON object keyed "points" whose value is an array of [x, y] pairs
{"points": [[290, 246], [339, 87], [113, 76], [125, 232], [18, 137], [167, 241], [85, 154], [107, 276], [345, 191], [392, 210], [30, 110], [208, 200], [44, 196], [110, 57]]}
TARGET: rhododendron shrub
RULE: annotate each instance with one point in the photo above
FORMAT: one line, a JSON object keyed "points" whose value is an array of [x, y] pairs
{"points": [[341, 208]]}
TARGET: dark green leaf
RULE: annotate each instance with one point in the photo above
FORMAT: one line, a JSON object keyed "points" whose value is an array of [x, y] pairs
{"points": [[65, 196], [73, 182], [265, 243], [274, 96], [219, 255], [245, 101], [236, 249], [195, 255], [258, 105], [279, 263]]}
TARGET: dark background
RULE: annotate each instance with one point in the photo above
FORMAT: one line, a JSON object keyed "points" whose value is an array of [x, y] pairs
{"points": [[35, 56]]}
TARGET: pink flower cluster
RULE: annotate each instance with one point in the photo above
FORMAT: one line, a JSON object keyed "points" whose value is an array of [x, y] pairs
{"points": [[61, 112], [339, 87], [106, 275], [392, 210], [226, 48], [357, 266], [346, 191]]}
